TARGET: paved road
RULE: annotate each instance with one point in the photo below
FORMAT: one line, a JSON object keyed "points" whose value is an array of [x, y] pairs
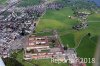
{"points": [[97, 55]]}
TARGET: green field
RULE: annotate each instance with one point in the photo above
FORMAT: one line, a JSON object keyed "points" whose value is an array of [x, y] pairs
{"points": [[59, 20], [25, 3], [87, 48], [3, 1]]}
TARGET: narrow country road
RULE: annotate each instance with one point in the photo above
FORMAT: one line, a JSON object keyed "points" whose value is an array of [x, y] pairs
{"points": [[97, 54]]}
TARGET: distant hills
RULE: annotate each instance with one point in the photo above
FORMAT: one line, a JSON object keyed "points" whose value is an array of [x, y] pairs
{"points": [[97, 2]]}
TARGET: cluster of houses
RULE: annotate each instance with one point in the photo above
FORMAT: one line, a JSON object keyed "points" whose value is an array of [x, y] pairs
{"points": [[80, 26], [55, 5], [15, 23], [49, 47], [82, 16], [39, 47], [10, 31]]}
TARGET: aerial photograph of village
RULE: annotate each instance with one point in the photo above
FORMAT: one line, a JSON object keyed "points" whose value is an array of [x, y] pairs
{"points": [[49, 32]]}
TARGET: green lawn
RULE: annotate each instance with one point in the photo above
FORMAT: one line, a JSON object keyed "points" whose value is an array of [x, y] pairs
{"points": [[3, 1], [43, 34], [68, 39], [94, 17], [29, 2]]}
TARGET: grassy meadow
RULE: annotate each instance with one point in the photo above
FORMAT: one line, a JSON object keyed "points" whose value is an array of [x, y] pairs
{"points": [[3, 1], [25, 3]]}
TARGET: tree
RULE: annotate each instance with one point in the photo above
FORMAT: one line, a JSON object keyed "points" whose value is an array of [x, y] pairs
{"points": [[65, 48], [89, 34], [14, 55]]}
